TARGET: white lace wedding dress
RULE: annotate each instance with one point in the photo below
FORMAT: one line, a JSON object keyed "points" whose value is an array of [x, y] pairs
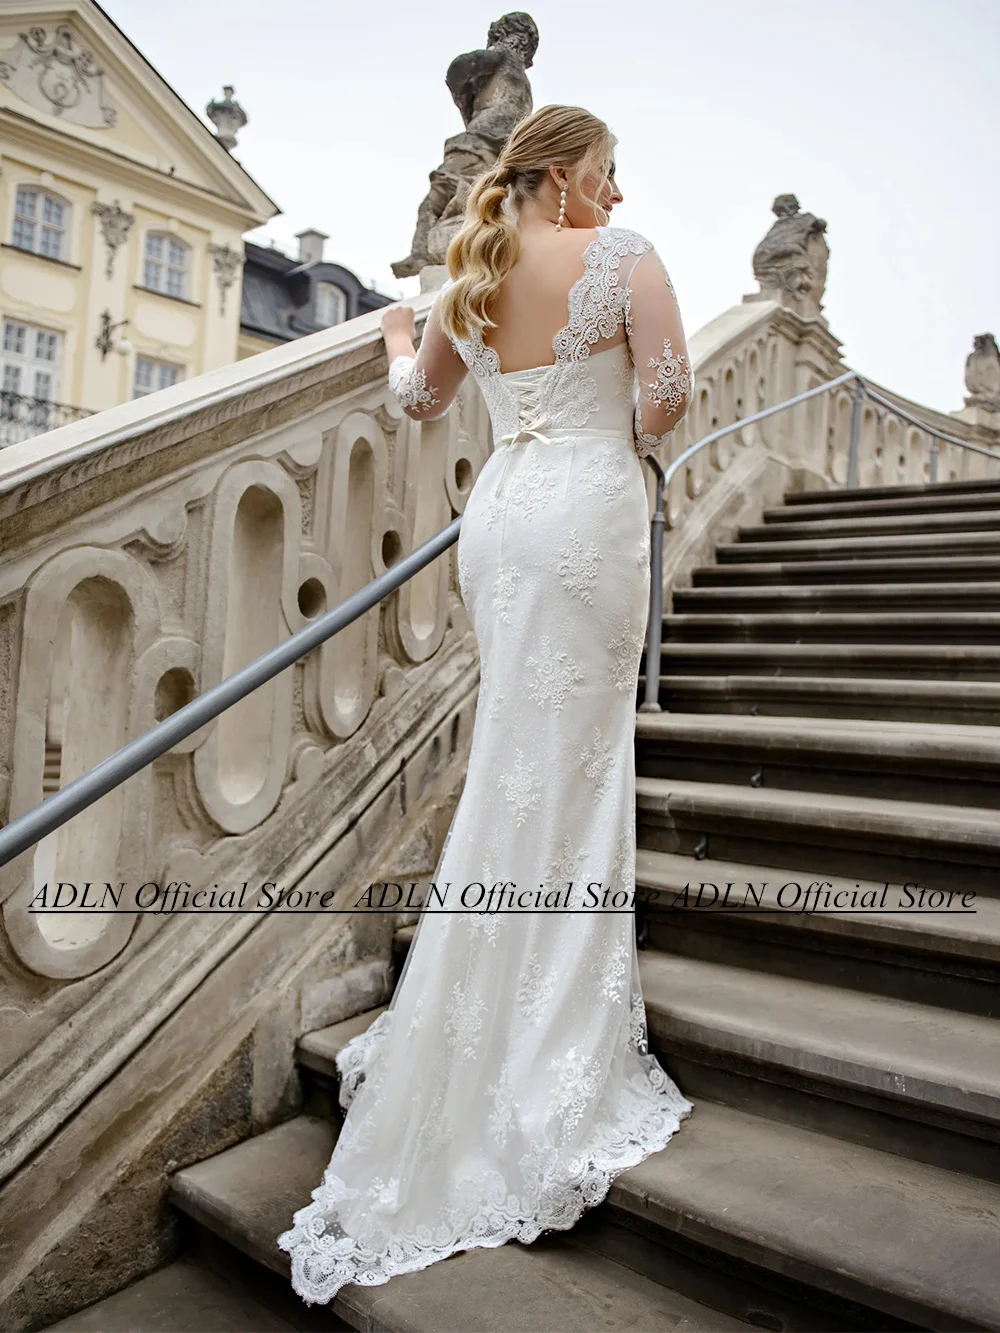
{"points": [[510, 1079]]}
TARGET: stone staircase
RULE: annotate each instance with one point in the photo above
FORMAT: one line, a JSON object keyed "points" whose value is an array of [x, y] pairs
{"points": [[833, 682]]}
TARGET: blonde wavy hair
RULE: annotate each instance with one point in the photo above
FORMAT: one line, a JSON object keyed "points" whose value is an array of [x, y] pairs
{"points": [[484, 251]]}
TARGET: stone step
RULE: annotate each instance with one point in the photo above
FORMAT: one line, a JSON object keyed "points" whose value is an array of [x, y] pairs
{"points": [[793, 1204], [906, 662], [184, 1297], [870, 597], [881, 627], [248, 1193], [861, 547], [954, 848], [935, 762], [947, 959], [969, 702], [317, 1050], [813, 528], [913, 1241], [842, 1060], [917, 952], [847, 506], [905, 1077], [879, 569], [937, 489]]}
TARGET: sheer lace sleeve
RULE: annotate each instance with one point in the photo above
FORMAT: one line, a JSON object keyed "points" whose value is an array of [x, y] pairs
{"points": [[426, 385], [659, 350]]}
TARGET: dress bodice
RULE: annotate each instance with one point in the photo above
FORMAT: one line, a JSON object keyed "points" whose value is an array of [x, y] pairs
{"points": [[586, 389], [594, 394], [623, 323]]}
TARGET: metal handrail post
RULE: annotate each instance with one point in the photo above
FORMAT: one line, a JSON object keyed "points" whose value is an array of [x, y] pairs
{"points": [[855, 453], [654, 640]]}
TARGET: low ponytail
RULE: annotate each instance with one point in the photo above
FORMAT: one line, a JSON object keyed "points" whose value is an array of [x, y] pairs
{"points": [[485, 249]]}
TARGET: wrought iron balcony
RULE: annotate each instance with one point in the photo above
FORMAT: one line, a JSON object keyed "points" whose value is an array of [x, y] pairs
{"points": [[22, 417]]}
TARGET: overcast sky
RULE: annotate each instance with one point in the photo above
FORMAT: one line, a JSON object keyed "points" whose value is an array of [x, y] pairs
{"points": [[877, 114]]}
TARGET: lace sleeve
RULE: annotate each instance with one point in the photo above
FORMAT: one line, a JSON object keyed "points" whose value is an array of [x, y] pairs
{"points": [[659, 351], [426, 385]]}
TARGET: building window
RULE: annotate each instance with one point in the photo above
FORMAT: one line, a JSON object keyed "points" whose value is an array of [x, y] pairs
{"points": [[166, 265], [151, 375], [40, 223], [331, 304], [30, 360]]}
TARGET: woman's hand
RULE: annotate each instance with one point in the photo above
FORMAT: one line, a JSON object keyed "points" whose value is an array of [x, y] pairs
{"points": [[398, 323], [398, 320]]}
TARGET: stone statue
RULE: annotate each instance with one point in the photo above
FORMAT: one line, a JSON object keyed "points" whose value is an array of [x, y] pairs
{"points": [[491, 90], [982, 373], [792, 257]]}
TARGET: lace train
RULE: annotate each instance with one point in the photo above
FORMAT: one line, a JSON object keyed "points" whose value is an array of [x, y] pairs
{"points": [[561, 1188]]}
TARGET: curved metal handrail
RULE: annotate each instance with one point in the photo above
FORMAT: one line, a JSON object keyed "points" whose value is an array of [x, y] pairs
{"points": [[862, 390], [83, 791]]}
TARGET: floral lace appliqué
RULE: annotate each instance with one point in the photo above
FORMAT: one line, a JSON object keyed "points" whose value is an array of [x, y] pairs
{"points": [[554, 676], [626, 649], [598, 763], [534, 991], [578, 567], [410, 385], [522, 786], [605, 475], [673, 378]]}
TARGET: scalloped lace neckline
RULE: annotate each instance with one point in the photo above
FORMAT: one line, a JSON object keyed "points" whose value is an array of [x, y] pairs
{"points": [[568, 326]]}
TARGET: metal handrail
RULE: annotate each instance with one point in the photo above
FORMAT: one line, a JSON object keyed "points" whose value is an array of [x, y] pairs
{"points": [[862, 389], [61, 806], [83, 791]]}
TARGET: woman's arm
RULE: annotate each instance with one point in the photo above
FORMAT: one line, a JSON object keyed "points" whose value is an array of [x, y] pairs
{"points": [[427, 381], [659, 351]]}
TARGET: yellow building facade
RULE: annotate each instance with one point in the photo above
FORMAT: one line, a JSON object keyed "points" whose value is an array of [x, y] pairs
{"points": [[122, 219]]}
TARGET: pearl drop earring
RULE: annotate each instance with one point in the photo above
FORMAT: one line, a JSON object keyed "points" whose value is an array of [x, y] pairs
{"points": [[562, 208]]}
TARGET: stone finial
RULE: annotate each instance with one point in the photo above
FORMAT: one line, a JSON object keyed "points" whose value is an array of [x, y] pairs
{"points": [[227, 116], [982, 373], [492, 92], [790, 262]]}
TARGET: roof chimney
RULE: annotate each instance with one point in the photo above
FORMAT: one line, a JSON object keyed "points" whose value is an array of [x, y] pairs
{"points": [[311, 246]]}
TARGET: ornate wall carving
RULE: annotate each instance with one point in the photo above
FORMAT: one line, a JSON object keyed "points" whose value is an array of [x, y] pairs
{"points": [[51, 71]]}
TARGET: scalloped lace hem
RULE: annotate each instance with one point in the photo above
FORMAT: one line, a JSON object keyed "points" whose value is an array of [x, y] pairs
{"points": [[369, 1268]]}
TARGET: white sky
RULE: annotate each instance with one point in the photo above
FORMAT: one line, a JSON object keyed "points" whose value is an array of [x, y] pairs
{"points": [[875, 113]]}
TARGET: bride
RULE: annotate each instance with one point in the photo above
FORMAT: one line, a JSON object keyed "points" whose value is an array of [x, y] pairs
{"points": [[510, 1080]]}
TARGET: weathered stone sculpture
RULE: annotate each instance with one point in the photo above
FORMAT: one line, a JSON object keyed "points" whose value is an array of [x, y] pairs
{"points": [[982, 373], [491, 90], [790, 262]]}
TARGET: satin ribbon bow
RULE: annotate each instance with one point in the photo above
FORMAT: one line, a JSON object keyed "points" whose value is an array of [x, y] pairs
{"points": [[532, 428]]}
